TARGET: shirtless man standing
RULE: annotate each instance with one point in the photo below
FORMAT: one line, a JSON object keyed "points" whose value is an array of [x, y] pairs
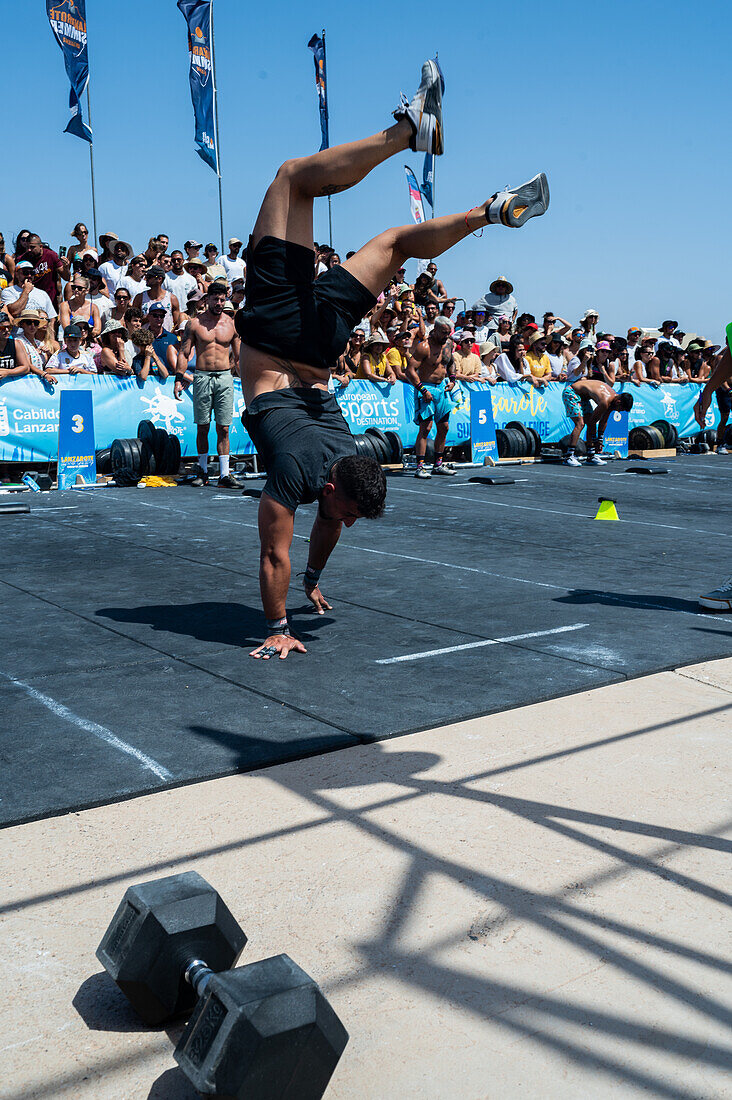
{"points": [[431, 371], [214, 337], [293, 329], [588, 392]]}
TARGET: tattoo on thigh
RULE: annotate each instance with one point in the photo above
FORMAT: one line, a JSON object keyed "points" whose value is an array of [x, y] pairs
{"points": [[334, 188]]}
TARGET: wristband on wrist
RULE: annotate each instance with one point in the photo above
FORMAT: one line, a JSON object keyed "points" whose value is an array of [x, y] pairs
{"points": [[311, 577], [180, 377], [278, 626]]}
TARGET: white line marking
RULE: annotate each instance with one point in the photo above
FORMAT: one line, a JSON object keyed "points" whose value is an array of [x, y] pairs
{"points": [[446, 497], [478, 645], [387, 553], [90, 727]]}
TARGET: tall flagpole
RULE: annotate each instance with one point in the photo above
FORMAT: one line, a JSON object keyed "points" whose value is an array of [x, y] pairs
{"points": [[91, 165], [434, 169], [327, 122], [216, 124]]}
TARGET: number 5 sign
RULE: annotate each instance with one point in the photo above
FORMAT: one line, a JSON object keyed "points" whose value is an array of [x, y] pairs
{"points": [[482, 428], [76, 438]]}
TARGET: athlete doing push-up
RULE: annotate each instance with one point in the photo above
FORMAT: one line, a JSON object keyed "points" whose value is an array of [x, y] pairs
{"points": [[293, 329]]}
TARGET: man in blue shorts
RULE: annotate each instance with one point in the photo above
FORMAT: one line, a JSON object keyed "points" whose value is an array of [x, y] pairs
{"points": [[431, 371], [293, 329]]}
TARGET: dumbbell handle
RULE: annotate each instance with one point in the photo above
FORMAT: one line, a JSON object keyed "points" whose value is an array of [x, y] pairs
{"points": [[198, 974]]}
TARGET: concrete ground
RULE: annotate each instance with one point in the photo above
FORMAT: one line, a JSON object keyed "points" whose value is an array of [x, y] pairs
{"points": [[529, 904]]}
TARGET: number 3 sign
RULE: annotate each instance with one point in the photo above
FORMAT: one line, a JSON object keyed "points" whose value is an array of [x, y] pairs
{"points": [[76, 438]]}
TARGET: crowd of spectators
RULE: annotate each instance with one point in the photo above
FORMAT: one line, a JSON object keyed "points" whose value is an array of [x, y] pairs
{"points": [[114, 311]]}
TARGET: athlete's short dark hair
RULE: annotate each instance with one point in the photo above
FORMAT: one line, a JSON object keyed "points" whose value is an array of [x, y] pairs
{"points": [[363, 481], [626, 401]]}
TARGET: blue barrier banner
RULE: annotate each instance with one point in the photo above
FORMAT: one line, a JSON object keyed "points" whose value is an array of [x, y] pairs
{"points": [[29, 411], [29, 414], [482, 428], [76, 438], [615, 437]]}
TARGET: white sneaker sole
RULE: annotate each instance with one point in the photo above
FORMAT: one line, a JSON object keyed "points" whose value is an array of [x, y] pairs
{"points": [[513, 208], [714, 604]]}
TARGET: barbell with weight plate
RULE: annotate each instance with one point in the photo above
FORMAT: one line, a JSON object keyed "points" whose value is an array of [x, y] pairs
{"points": [[262, 1031]]}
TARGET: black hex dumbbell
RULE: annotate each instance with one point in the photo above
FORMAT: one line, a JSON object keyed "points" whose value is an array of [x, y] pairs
{"points": [[258, 1031]]}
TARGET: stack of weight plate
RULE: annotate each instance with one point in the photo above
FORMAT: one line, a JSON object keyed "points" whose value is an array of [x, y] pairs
{"points": [[385, 447], [153, 451], [517, 440], [646, 438]]}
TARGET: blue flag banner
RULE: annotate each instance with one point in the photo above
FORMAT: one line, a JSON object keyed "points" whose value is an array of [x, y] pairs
{"points": [[482, 427], [428, 176], [415, 195], [76, 438], [317, 45], [68, 23], [197, 15], [29, 411]]}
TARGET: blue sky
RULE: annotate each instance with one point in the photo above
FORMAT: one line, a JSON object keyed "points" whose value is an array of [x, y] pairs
{"points": [[624, 106]]}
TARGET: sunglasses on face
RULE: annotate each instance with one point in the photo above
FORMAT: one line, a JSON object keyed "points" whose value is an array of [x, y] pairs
{"points": [[122, 297], [28, 321]]}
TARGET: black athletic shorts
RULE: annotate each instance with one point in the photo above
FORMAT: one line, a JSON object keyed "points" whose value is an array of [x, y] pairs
{"points": [[299, 433], [290, 313], [724, 400]]}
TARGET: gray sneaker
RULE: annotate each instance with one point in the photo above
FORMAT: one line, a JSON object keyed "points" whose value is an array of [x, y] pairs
{"points": [[424, 111], [722, 450], [595, 460], [421, 472], [230, 481], [514, 206], [720, 599], [444, 470]]}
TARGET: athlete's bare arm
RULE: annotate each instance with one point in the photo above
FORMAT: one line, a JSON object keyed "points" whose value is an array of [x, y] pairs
{"points": [[276, 525]]}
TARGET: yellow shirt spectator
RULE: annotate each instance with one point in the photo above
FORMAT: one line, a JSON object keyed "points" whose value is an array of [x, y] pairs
{"points": [[379, 364], [540, 366]]}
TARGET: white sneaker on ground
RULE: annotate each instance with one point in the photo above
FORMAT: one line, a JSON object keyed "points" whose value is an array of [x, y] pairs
{"points": [[444, 470], [720, 599], [514, 206], [595, 460], [424, 111], [421, 472], [722, 450], [572, 460]]}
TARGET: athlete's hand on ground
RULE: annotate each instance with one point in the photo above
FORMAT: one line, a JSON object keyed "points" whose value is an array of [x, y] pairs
{"points": [[318, 600], [278, 644], [177, 390], [701, 408]]}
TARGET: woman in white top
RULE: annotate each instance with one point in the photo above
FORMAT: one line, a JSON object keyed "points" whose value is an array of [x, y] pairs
{"points": [[28, 323], [512, 365], [577, 365], [488, 355]]}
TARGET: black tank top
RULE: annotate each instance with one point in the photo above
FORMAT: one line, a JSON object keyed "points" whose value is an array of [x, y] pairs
{"points": [[8, 357]]}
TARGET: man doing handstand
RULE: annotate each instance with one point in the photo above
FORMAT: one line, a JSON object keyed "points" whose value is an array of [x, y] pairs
{"points": [[293, 329]]}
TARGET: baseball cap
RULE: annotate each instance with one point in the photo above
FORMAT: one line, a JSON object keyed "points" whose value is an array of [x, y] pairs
{"points": [[603, 346], [196, 296], [157, 307], [234, 240], [634, 329], [23, 263], [156, 269], [71, 331], [193, 244]]}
